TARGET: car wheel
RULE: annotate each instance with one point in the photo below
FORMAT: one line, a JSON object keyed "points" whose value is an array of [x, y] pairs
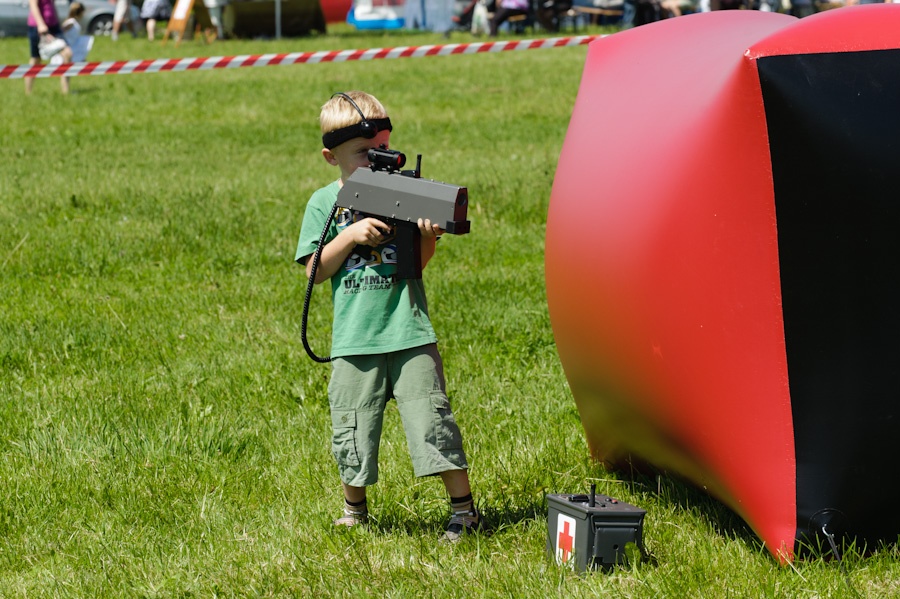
{"points": [[101, 25]]}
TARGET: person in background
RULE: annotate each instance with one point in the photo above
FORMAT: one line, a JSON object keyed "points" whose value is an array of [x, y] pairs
{"points": [[429, 15], [43, 24], [439, 16], [505, 10], [802, 8], [629, 12], [153, 11], [216, 7], [71, 27], [122, 15], [71, 32]]}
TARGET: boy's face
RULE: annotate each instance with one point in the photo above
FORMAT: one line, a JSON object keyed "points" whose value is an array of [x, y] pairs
{"points": [[353, 154]]}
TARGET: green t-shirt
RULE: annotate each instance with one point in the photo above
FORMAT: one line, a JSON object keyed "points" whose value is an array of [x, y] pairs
{"points": [[374, 311]]}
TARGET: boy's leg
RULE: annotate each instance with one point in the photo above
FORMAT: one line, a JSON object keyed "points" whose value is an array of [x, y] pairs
{"points": [[355, 509], [432, 434], [465, 517], [434, 438], [357, 394], [354, 494], [456, 482]]}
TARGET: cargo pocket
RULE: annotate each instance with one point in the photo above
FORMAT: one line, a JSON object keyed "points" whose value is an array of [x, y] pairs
{"points": [[447, 435], [343, 441]]}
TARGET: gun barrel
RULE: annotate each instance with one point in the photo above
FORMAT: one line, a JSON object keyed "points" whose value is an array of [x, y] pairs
{"points": [[394, 196]]}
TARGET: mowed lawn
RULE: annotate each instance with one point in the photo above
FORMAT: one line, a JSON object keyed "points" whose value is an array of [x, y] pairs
{"points": [[164, 433]]}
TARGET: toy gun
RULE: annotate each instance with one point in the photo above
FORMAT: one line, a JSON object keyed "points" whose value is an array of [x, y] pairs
{"points": [[400, 199]]}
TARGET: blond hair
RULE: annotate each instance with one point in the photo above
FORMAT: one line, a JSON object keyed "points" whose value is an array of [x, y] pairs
{"points": [[337, 112]]}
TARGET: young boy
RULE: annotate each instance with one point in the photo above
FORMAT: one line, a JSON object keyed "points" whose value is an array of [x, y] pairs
{"points": [[383, 344]]}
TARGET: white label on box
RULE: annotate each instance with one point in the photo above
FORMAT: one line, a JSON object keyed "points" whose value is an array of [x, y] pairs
{"points": [[565, 538]]}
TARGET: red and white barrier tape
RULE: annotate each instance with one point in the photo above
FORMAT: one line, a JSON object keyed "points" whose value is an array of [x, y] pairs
{"points": [[262, 60]]}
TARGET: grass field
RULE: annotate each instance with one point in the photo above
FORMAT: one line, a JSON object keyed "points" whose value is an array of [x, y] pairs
{"points": [[165, 435]]}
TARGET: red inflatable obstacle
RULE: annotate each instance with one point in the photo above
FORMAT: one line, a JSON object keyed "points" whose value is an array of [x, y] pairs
{"points": [[335, 11], [721, 263]]}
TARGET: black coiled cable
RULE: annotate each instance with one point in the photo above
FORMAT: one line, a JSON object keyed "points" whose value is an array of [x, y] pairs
{"points": [[309, 288]]}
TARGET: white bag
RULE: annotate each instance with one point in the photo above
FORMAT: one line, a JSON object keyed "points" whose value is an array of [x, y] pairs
{"points": [[81, 45], [50, 46], [480, 22]]}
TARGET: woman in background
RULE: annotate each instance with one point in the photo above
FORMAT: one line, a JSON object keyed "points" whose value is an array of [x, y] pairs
{"points": [[44, 27]]}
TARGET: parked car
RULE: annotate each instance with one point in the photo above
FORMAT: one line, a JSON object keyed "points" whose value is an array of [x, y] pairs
{"points": [[97, 20]]}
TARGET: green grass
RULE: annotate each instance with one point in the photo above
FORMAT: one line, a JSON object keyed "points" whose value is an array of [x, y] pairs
{"points": [[164, 433]]}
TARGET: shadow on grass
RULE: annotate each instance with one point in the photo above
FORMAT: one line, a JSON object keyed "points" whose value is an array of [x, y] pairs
{"points": [[77, 90], [660, 491], [673, 491], [497, 518]]}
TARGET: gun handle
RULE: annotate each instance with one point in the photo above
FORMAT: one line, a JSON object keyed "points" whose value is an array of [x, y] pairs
{"points": [[409, 251]]}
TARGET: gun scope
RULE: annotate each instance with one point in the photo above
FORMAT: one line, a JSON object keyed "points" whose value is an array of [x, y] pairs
{"points": [[386, 160]]}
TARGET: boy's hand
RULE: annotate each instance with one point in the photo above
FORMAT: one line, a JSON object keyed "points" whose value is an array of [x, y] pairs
{"points": [[369, 231], [429, 230]]}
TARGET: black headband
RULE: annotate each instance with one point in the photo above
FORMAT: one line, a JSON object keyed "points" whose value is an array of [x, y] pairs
{"points": [[367, 128]]}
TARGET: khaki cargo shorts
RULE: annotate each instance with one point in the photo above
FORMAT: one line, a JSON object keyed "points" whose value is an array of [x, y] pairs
{"points": [[359, 390]]}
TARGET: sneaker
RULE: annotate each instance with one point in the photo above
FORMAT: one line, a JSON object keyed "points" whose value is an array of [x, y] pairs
{"points": [[352, 519], [463, 523]]}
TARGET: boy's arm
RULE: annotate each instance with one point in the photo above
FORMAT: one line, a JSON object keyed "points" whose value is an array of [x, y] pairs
{"points": [[430, 234], [368, 231]]}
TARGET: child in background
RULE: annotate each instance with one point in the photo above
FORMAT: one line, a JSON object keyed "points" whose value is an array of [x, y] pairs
{"points": [[383, 344], [71, 32], [71, 27]]}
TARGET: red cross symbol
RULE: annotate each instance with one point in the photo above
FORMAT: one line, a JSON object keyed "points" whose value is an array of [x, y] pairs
{"points": [[565, 540]]}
